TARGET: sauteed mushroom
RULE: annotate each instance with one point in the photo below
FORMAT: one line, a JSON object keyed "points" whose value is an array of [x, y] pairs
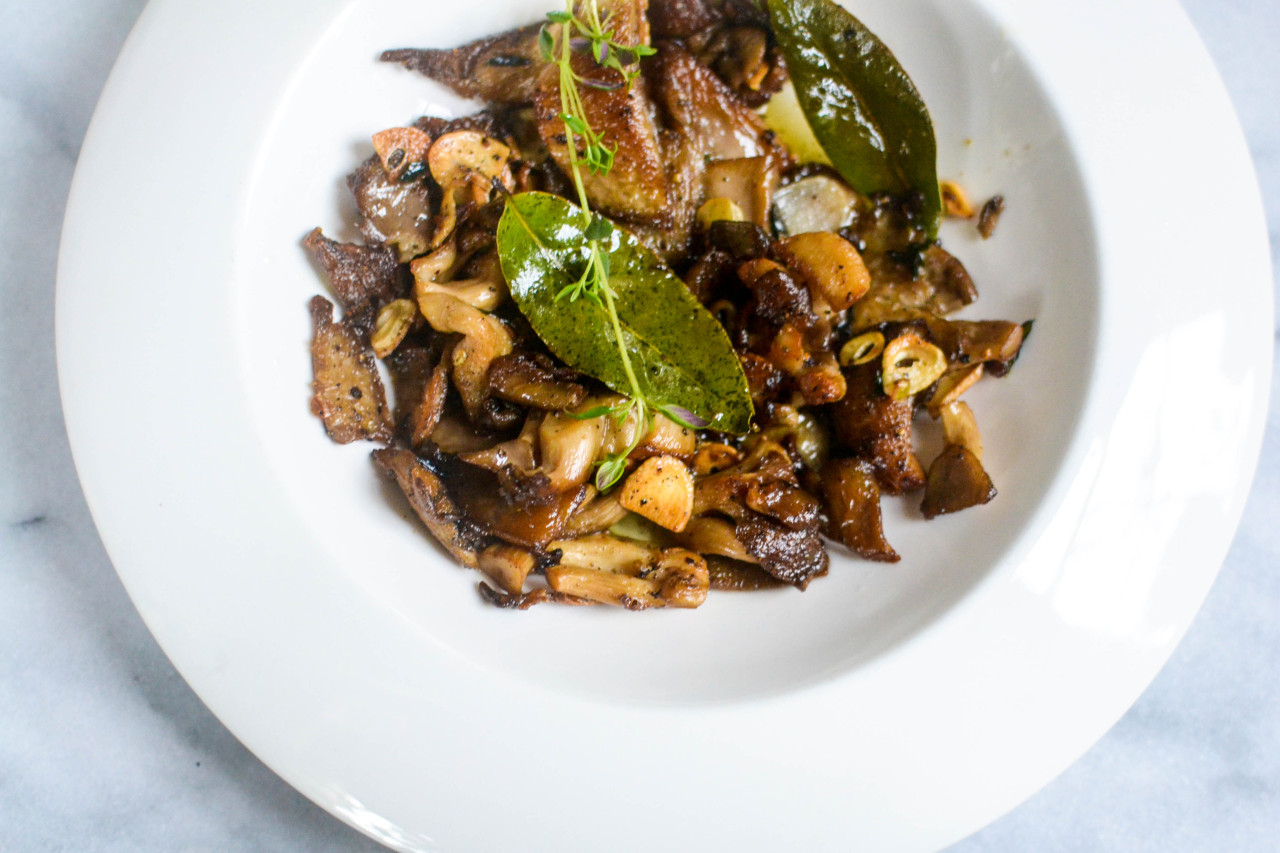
{"points": [[599, 463]]}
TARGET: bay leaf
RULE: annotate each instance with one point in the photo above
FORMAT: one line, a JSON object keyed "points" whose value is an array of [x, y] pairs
{"points": [[861, 104], [679, 352]]}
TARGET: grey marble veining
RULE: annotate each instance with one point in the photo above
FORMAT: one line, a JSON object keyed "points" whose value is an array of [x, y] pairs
{"points": [[104, 748]]}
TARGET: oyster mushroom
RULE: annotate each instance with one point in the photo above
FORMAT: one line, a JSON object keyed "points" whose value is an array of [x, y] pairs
{"points": [[466, 163], [485, 338]]}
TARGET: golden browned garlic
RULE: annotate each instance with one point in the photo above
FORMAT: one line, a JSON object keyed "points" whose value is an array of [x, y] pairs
{"points": [[661, 490], [863, 349], [911, 364]]}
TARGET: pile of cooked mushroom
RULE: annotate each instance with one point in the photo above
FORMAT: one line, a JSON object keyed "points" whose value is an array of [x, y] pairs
{"points": [[837, 304]]}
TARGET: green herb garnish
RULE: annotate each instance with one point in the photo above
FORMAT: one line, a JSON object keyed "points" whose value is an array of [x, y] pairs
{"points": [[610, 268], [863, 108], [675, 349]]}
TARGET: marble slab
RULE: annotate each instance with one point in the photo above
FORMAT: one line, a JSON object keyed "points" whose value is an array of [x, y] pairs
{"points": [[103, 747]]}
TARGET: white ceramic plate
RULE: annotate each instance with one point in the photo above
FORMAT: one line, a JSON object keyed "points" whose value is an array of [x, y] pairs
{"points": [[887, 708]]}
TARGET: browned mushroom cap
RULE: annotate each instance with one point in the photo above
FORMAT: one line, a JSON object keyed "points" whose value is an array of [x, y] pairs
{"points": [[453, 434], [681, 19], [358, 275], [484, 294], [992, 342], [724, 490], [526, 525], [531, 379], [779, 297], [823, 382], [872, 426], [394, 212], [698, 104], [638, 187], [853, 506], [433, 504], [741, 56], [957, 481], [348, 397], [606, 553], [791, 505], [778, 528], [436, 266], [523, 601], [942, 287], [515, 462], [501, 69], [990, 217], [519, 453], [713, 457], [733, 576], [484, 289], [793, 556], [633, 593], [682, 577], [797, 350], [788, 351]]}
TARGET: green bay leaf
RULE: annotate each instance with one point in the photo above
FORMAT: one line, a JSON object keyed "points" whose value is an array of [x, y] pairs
{"points": [[679, 352], [863, 108]]}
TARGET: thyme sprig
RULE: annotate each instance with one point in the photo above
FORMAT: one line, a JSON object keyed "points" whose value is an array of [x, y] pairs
{"points": [[588, 33]]}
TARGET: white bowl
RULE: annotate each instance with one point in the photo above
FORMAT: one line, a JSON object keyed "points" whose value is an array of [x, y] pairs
{"points": [[888, 707]]}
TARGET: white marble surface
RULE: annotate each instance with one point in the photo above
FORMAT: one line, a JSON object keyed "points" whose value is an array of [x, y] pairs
{"points": [[104, 748]]}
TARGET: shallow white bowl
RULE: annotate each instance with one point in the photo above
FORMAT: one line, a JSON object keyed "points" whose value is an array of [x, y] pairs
{"points": [[887, 708]]}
